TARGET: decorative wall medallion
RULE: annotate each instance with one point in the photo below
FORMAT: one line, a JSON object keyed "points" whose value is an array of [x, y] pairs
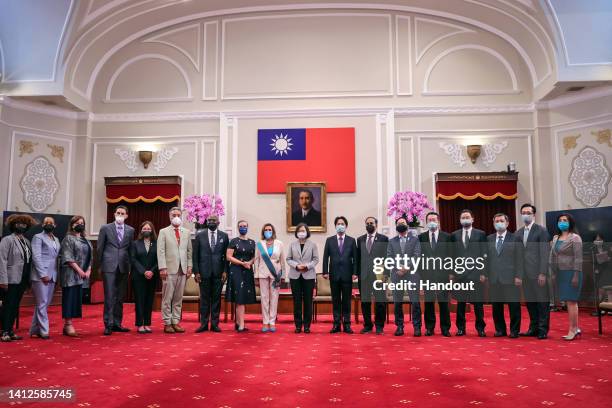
{"points": [[604, 136], [57, 151], [128, 157], [26, 147], [39, 184], [163, 157], [455, 151], [490, 152], [569, 143], [589, 177]]}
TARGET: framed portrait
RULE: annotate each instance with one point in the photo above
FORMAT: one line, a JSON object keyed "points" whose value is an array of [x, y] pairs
{"points": [[307, 203]]}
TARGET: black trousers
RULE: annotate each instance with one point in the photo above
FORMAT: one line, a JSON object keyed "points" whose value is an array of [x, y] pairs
{"points": [[537, 305], [144, 293], [398, 301], [11, 297], [341, 293], [506, 295], [366, 292], [430, 310], [478, 313], [301, 289], [210, 300], [115, 286]]}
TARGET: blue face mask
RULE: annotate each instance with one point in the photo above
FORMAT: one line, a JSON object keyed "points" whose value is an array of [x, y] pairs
{"points": [[563, 225], [432, 226], [243, 230], [500, 226], [267, 234], [340, 229]]}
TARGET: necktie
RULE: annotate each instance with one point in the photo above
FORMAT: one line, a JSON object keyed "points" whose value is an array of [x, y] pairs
{"points": [[433, 240], [369, 244], [177, 234], [403, 243], [466, 239], [213, 241], [525, 235], [341, 244], [120, 233], [500, 241]]}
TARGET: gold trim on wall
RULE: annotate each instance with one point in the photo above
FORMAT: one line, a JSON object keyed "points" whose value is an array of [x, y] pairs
{"points": [[569, 143], [603, 136], [57, 151], [26, 147]]}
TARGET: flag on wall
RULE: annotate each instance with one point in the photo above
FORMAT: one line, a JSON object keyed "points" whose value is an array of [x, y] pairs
{"points": [[313, 154]]}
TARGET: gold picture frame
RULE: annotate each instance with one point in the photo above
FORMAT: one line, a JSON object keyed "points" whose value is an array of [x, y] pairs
{"points": [[302, 194]]}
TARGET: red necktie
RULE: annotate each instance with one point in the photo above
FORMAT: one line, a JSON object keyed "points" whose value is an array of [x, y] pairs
{"points": [[178, 236]]}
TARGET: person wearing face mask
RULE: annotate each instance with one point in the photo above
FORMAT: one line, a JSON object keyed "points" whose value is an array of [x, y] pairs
{"points": [[505, 275], [145, 274], [15, 267], [76, 256], [371, 245], [269, 270], [535, 240], [435, 244], [302, 257], [113, 250], [174, 260], [402, 245], [469, 242], [339, 266], [45, 256], [565, 260], [241, 283], [210, 271], [603, 269]]}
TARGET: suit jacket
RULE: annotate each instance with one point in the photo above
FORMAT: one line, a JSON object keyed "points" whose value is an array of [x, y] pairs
{"points": [[260, 269], [71, 252], [142, 260], [506, 265], [210, 262], [442, 250], [535, 254], [412, 248], [365, 259], [170, 255], [312, 218], [45, 257], [476, 248], [113, 254], [309, 257], [340, 267], [12, 259], [569, 255]]}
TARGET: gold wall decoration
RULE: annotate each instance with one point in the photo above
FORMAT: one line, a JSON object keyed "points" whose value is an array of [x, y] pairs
{"points": [[603, 136], [57, 151], [569, 142], [26, 147]]}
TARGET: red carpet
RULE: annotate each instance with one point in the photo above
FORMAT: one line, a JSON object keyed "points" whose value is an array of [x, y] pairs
{"points": [[284, 369]]}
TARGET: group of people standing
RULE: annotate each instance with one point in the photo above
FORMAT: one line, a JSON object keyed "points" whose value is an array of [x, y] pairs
{"points": [[517, 260]]}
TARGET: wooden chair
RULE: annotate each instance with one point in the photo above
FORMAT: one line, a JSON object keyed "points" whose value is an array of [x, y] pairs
{"points": [[191, 293], [323, 294], [604, 304]]}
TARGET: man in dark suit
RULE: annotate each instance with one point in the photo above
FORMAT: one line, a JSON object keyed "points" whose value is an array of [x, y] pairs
{"points": [[339, 266], [505, 274], [113, 248], [436, 246], [535, 241], [405, 244], [209, 269], [469, 242], [369, 246], [307, 213]]}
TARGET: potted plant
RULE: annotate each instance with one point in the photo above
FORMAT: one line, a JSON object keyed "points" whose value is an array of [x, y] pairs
{"points": [[200, 207], [410, 204]]}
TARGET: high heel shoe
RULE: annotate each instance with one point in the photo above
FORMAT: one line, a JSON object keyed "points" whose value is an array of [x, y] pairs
{"points": [[572, 336], [69, 333]]}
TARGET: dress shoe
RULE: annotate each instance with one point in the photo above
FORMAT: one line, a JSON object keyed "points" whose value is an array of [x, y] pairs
{"points": [[244, 329], [272, 329], [335, 329], [70, 332], [178, 328], [446, 333], [107, 331], [500, 334], [528, 333], [460, 332], [513, 335], [15, 337], [44, 336], [429, 332], [366, 330], [481, 333], [120, 329], [141, 331], [202, 329], [379, 331], [348, 330], [169, 329], [5, 338], [399, 331], [542, 336], [298, 330], [148, 330], [417, 333], [215, 329], [307, 330]]}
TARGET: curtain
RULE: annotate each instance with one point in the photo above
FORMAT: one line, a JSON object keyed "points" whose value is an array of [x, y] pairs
{"points": [[483, 210]]}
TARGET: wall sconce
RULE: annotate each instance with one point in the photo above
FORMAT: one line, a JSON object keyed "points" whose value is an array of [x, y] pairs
{"points": [[145, 157], [473, 151]]}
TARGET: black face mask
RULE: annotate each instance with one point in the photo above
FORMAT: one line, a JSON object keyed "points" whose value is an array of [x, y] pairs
{"points": [[401, 228], [146, 234], [212, 226], [370, 228], [21, 228], [49, 228], [79, 228]]}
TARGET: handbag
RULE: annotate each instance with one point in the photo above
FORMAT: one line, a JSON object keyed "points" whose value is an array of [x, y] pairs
{"points": [[602, 257]]}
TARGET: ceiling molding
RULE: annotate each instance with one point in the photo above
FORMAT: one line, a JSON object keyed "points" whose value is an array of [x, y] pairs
{"points": [[565, 100], [465, 110], [195, 59], [34, 107]]}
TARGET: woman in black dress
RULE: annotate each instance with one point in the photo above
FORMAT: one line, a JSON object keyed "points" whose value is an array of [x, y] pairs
{"points": [[241, 283], [145, 275]]}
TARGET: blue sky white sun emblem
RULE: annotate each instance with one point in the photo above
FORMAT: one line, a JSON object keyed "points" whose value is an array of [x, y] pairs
{"points": [[281, 144]]}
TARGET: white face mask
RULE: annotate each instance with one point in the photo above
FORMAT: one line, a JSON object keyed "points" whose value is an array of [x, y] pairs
{"points": [[119, 219], [301, 235], [176, 221]]}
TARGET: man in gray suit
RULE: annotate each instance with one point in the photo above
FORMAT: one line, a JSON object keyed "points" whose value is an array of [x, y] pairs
{"points": [[536, 240], [113, 248]]}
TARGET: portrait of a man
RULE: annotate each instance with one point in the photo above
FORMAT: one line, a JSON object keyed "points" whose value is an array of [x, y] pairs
{"points": [[306, 203]]}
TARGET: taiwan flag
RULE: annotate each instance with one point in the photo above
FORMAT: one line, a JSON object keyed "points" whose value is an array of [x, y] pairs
{"points": [[306, 155]]}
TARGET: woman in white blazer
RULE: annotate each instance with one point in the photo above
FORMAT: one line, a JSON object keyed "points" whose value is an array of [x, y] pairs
{"points": [[45, 252], [302, 257], [271, 249]]}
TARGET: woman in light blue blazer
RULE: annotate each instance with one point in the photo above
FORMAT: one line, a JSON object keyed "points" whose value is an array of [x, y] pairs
{"points": [[45, 251]]}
